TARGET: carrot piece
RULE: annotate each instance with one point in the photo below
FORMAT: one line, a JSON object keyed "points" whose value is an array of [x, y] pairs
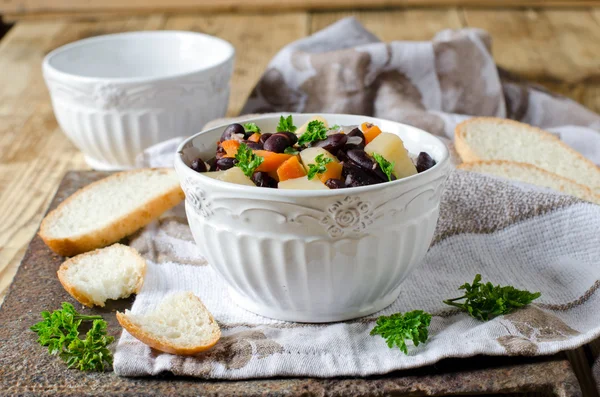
{"points": [[231, 147], [290, 169], [370, 131], [271, 161], [254, 137], [334, 170]]}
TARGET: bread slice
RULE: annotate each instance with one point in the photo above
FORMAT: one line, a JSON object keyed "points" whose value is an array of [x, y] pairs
{"points": [[110, 209], [180, 324], [489, 138], [533, 175], [113, 272]]}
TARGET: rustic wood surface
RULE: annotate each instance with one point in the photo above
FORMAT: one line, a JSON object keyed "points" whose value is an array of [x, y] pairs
{"points": [[17, 9], [557, 48]]}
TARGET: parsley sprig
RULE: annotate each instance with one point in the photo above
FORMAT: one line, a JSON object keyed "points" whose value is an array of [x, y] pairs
{"points": [[398, 328], [320, 166], [386, 166], [59, 331], [291, 150], [315, 131], [286, 124], [247, 160], [251, 127], [485, 301]]}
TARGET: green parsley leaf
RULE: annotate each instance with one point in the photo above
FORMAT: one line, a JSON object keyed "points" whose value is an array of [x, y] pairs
{"points": [[251, 127], [291, 150], [335, 127], [319, 167], [386, 166], [247, 160], [286, 124], [59, 331], [398, 328], [485, 301], [91, 353], [315, 131]]}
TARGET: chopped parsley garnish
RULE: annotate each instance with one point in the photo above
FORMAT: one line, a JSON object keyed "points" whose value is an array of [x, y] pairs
{"points": [[315, 131], [247, 160], [286, 124], [485, 301], [320, 166], [59, 331], [335, 127], [398, 328], [290, 150], [386, 166], [251, 127]]}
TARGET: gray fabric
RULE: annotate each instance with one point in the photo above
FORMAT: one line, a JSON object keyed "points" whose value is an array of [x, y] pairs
{"points": [[510, 233]]}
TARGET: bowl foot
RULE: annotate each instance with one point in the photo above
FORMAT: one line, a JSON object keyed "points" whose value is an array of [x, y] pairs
{"points": [[312, 316]]}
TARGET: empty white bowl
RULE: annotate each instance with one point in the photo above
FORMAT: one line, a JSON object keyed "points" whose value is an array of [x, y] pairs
{"points": [[118, 94], [321, 255]]}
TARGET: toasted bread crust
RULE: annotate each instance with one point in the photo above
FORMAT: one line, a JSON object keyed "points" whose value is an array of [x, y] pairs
{"points": [[473, 165], [467, 154], [113, 232], [81, 296], [150, 340]]}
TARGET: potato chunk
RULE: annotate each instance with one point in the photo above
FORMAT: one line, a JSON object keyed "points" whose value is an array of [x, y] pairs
{"points": [[391, 147], [302, 183], [235, 175], [302, 129], [309, 155]]}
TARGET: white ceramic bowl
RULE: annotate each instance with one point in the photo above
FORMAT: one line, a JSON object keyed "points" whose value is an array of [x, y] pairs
{"points": [[314, 256], [118, 94]]}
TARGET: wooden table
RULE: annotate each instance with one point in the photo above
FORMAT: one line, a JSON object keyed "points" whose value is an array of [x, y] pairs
{"points": [[559, 48]]}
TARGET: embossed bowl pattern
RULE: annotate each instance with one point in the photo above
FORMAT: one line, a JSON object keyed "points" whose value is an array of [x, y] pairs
{"points": [[314, 256], [118, 94]]}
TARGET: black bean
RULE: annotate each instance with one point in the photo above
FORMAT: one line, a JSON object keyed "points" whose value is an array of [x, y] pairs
{"points": [[254, 145], [277, 143], [212, 164], [358, 133], [291, 136], [366, 162], [333, 143], [424, 162], [264, 137], [333, 183], [355, 176], [198, 165], [262, 179], [225, 163], [231, 130]]}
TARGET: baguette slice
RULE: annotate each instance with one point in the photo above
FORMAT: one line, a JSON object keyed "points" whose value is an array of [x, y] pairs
{"points": [[180, 324], [489, 138], [110, 209], [113, 272], [533, 175]]}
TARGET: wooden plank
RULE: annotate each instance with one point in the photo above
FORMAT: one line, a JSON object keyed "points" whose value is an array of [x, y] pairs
{"points": [[552, 45], [388, 25], [18, 8], [257, 38], [34, 153]]}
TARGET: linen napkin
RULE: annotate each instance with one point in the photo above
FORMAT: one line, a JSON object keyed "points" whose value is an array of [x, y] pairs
{"points": [[510, 233]]}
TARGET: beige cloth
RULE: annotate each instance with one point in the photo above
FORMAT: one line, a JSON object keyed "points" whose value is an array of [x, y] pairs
{"points": [[512, 234]]}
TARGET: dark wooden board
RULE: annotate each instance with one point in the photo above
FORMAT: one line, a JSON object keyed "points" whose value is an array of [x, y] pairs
{"points": [[26, 368]]}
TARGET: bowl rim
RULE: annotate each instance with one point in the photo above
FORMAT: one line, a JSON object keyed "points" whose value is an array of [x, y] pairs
{"points": [[48, 67], [181, 166]]}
